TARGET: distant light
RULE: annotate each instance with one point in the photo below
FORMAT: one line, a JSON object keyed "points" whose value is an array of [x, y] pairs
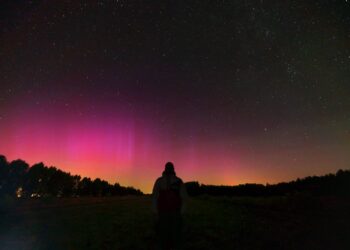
{"points": [[19, 192]]}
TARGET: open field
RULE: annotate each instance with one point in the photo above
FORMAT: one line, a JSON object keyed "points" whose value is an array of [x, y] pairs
{"points": [[210, 223]]}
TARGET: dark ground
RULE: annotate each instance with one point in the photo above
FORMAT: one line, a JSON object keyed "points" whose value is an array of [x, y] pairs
{"points": [[298, 222]]}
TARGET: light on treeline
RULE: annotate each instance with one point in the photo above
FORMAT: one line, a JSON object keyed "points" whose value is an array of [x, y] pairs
{"points": [[19, 192]]}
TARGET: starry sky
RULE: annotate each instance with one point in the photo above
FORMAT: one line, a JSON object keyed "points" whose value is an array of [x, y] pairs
{"points": [[230, 91]]}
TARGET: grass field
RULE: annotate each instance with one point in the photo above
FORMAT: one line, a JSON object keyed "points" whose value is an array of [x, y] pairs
{"points": [[209, 223]]}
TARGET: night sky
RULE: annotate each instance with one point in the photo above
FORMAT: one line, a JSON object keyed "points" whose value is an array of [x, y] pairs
{"points": [[230, 91]]}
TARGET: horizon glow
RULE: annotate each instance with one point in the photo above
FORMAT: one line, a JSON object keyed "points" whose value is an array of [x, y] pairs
{"points": [[133, 152]]}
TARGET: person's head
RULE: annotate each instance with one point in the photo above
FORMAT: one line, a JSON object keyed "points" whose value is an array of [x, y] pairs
{"points": [[169, 169]]}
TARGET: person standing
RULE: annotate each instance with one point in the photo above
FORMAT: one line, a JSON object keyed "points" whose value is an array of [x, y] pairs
{"points": [[169, 197]]}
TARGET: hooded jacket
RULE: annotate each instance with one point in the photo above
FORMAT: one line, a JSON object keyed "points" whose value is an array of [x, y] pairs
{"points": [[169, 194]]}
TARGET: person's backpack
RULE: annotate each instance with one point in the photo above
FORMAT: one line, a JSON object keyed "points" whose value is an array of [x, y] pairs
{"points": [[169, 199]]}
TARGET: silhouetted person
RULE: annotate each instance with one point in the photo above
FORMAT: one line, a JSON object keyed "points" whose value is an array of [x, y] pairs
{"points": [[169, 195]]}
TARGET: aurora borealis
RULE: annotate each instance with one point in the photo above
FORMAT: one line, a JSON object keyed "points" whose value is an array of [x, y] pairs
{"points": [[231, 92]]}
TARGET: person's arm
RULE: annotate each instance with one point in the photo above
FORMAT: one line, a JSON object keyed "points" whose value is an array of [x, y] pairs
{"points": [[155, 195], [183, 195]]}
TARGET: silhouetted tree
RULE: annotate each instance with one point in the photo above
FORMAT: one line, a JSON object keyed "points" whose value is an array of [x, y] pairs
{"points": [[329, 184], [37, 179], [85, 187], [4, 172], [17, 178], [193, 188]]}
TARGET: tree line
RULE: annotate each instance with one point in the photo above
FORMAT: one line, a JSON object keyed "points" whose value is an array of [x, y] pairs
{"points": [[19, 179], [330, 184]]}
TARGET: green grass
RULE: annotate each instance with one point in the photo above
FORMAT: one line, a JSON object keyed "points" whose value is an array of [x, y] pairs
{"points": [[209, 223]]}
